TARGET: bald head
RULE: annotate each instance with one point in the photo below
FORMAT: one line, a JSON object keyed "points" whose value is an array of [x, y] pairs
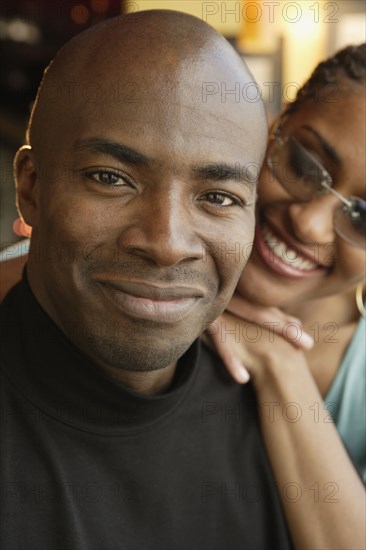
{"points": [[132, 60]]}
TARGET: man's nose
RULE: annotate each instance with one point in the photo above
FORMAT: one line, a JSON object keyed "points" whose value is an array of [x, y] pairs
{"points": [[313, 221], [164, 232]]}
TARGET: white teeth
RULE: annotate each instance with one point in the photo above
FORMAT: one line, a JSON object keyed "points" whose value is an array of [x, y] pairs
{"points": [[288, 255]]}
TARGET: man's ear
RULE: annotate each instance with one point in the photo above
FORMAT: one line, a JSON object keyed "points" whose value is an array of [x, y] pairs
{"points": [[27, 184]]}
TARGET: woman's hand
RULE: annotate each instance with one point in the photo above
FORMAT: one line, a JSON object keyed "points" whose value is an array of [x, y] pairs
{"points": [[246, 341]]}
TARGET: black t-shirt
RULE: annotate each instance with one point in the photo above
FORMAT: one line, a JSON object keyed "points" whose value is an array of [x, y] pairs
{"points": [[88, 465]]}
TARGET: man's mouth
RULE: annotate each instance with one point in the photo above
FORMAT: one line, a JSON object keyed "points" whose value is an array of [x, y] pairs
{"points": [[158, 303], [284, 257]]}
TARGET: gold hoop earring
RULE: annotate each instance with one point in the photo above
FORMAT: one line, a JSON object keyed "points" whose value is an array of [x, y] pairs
{"points": [[359, 299]]}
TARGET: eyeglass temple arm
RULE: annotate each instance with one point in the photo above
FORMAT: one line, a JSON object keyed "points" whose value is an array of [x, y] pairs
{"points": [[329, 188]]}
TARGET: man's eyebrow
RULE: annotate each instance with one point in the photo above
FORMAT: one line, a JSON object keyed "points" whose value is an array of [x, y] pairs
{"points": [[223, 172], [119, 151], [327, 148]]}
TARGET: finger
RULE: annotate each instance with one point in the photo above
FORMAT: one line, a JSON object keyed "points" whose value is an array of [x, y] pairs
{"points": [[298, 337], [273, 319], [246, 310], [259, 314]]}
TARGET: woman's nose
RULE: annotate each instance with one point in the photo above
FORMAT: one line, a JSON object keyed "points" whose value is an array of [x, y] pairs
{"points": [[312, 221]]}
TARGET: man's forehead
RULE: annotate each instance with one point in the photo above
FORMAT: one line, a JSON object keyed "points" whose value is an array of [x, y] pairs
{"points": [[162, 128]]}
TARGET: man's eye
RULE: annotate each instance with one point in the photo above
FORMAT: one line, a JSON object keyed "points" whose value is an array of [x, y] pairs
{"points": [[220, 199], [105, 177]]}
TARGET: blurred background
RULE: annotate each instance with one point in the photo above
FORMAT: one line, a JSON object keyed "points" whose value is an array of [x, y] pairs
{"points": [[282, 41]]}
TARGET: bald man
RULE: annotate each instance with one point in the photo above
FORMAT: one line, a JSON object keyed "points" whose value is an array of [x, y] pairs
{"points": [[119, 429]]}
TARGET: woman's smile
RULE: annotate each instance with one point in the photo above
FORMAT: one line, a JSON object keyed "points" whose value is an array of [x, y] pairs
{"points": [[285, 257]]}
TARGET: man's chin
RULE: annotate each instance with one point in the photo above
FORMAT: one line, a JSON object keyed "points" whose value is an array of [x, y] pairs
{"points": [[136, 354]]}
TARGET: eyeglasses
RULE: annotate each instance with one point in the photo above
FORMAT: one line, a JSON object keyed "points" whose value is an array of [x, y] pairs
{"points": [[303, 176]]}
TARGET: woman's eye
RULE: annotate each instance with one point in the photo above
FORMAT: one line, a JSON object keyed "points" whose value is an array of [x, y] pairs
{"points": [[305, 164], [220, 199], [112, 179], [300, 164]]}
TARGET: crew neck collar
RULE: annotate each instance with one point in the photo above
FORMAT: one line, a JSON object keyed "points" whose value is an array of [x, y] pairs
{"points": [[66, 385]]}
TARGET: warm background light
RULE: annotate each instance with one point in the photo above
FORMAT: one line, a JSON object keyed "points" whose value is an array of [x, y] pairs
{"points": [[223, 16], [307, 28], [79, 14], [305, 42]]}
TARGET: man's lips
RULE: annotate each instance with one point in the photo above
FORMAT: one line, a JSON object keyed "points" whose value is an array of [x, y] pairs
{"points": [[159, 303], [283, 255]]}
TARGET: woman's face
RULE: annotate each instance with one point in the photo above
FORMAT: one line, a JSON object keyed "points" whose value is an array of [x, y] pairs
{"points": [[297, 256]]}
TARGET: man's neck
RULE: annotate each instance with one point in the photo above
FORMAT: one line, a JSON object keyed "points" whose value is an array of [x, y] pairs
{"points": [[144, 382]]}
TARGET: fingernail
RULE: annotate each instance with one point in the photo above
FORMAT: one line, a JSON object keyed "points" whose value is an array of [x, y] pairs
{"points": [[242, 376], [307, 340]]}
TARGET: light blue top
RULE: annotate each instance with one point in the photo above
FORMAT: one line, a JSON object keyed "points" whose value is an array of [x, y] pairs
{"points": [[15, 250], [346, 399]]}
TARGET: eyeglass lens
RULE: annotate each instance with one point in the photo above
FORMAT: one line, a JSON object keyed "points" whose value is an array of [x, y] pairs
{"points": [[295, 169], [302, 176], [350, 223]]}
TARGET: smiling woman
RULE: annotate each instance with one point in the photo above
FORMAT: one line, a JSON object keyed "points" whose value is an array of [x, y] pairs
{"points": [[308, 262]]}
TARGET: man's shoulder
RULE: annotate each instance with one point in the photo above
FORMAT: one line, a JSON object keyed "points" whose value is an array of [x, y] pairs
{"points": [[11, 303], [12, 262], [218, 389]]}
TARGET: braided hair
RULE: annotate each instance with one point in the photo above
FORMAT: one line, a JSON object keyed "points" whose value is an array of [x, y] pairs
{"points": [[347, 64]]}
